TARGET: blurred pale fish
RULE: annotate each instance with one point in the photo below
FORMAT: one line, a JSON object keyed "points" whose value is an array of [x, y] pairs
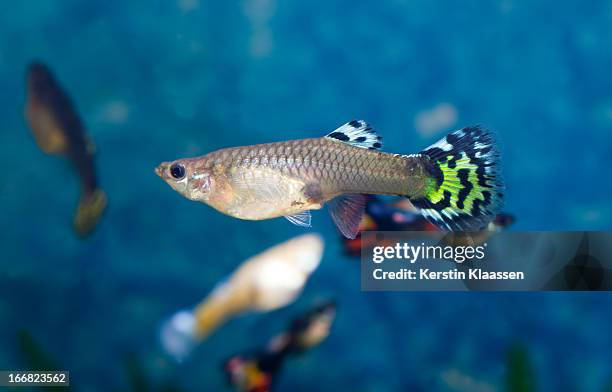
{"points": [[267, 281], [114, 112], [597, 214], [458, 381], [188, 5], [259, 13], [435, 120]]}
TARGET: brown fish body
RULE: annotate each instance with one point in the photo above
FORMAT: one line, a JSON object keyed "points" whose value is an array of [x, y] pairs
{"points": [[285, 178], [58, 130], [56, 124]]}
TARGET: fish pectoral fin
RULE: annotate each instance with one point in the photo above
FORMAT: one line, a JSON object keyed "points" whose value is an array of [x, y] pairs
{"points": [[265, 186], [357, 133], [300, 219], [347, 211]]}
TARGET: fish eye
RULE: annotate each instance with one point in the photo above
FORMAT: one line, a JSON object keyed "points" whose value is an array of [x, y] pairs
{"points": [[177, 171]]}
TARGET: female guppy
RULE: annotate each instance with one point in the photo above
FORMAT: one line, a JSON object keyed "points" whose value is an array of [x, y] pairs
{"points": [[58, 130], [456, 183]]}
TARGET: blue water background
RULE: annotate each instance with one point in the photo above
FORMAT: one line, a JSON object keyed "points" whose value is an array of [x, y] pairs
{"points": [[158, 80]]}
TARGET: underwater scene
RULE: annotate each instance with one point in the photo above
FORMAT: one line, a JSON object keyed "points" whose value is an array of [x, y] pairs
{"points": [[137, 269]]}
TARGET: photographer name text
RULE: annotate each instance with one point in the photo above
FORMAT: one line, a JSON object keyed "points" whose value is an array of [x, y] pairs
{"points": [[406, 253]]}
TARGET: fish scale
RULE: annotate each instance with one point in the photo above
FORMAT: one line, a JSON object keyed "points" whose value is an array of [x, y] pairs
{"points": [[336, 166]]}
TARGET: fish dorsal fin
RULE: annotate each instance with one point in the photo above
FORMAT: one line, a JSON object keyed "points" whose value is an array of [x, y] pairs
{"points": [[357, 133], [300, 219], [347, 211]]}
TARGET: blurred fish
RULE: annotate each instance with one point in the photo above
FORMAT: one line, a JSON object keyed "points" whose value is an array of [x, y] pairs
{"points": [[400, 215], [384, 215], [58, 130], [265, 282], [501, 222], [456, 183], [254, 372], [307, 330], [458, 381], [257, 371]]}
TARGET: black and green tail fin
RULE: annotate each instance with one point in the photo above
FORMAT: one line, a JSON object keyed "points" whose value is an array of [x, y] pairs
{"points": [[466, 188]]}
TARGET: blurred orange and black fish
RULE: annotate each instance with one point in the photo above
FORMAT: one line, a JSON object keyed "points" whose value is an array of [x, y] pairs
{"points": [[399, 215], [58, 130], [307, 330], [254, 372], [257, 371]]}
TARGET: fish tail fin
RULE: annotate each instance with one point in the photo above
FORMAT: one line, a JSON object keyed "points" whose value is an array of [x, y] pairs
{"points": [[89, 212], [465, 190], [177, 335], [184, 330]]}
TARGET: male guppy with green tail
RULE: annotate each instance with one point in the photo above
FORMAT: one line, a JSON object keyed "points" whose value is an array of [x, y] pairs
{"points": [[456, 183]]}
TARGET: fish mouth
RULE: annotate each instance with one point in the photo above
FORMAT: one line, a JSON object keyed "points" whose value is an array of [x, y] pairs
{"points": [[159, 170]]}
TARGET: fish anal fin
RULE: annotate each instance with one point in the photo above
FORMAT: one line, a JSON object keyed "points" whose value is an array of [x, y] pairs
{"points": [[346, 211], [300, 219]]}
